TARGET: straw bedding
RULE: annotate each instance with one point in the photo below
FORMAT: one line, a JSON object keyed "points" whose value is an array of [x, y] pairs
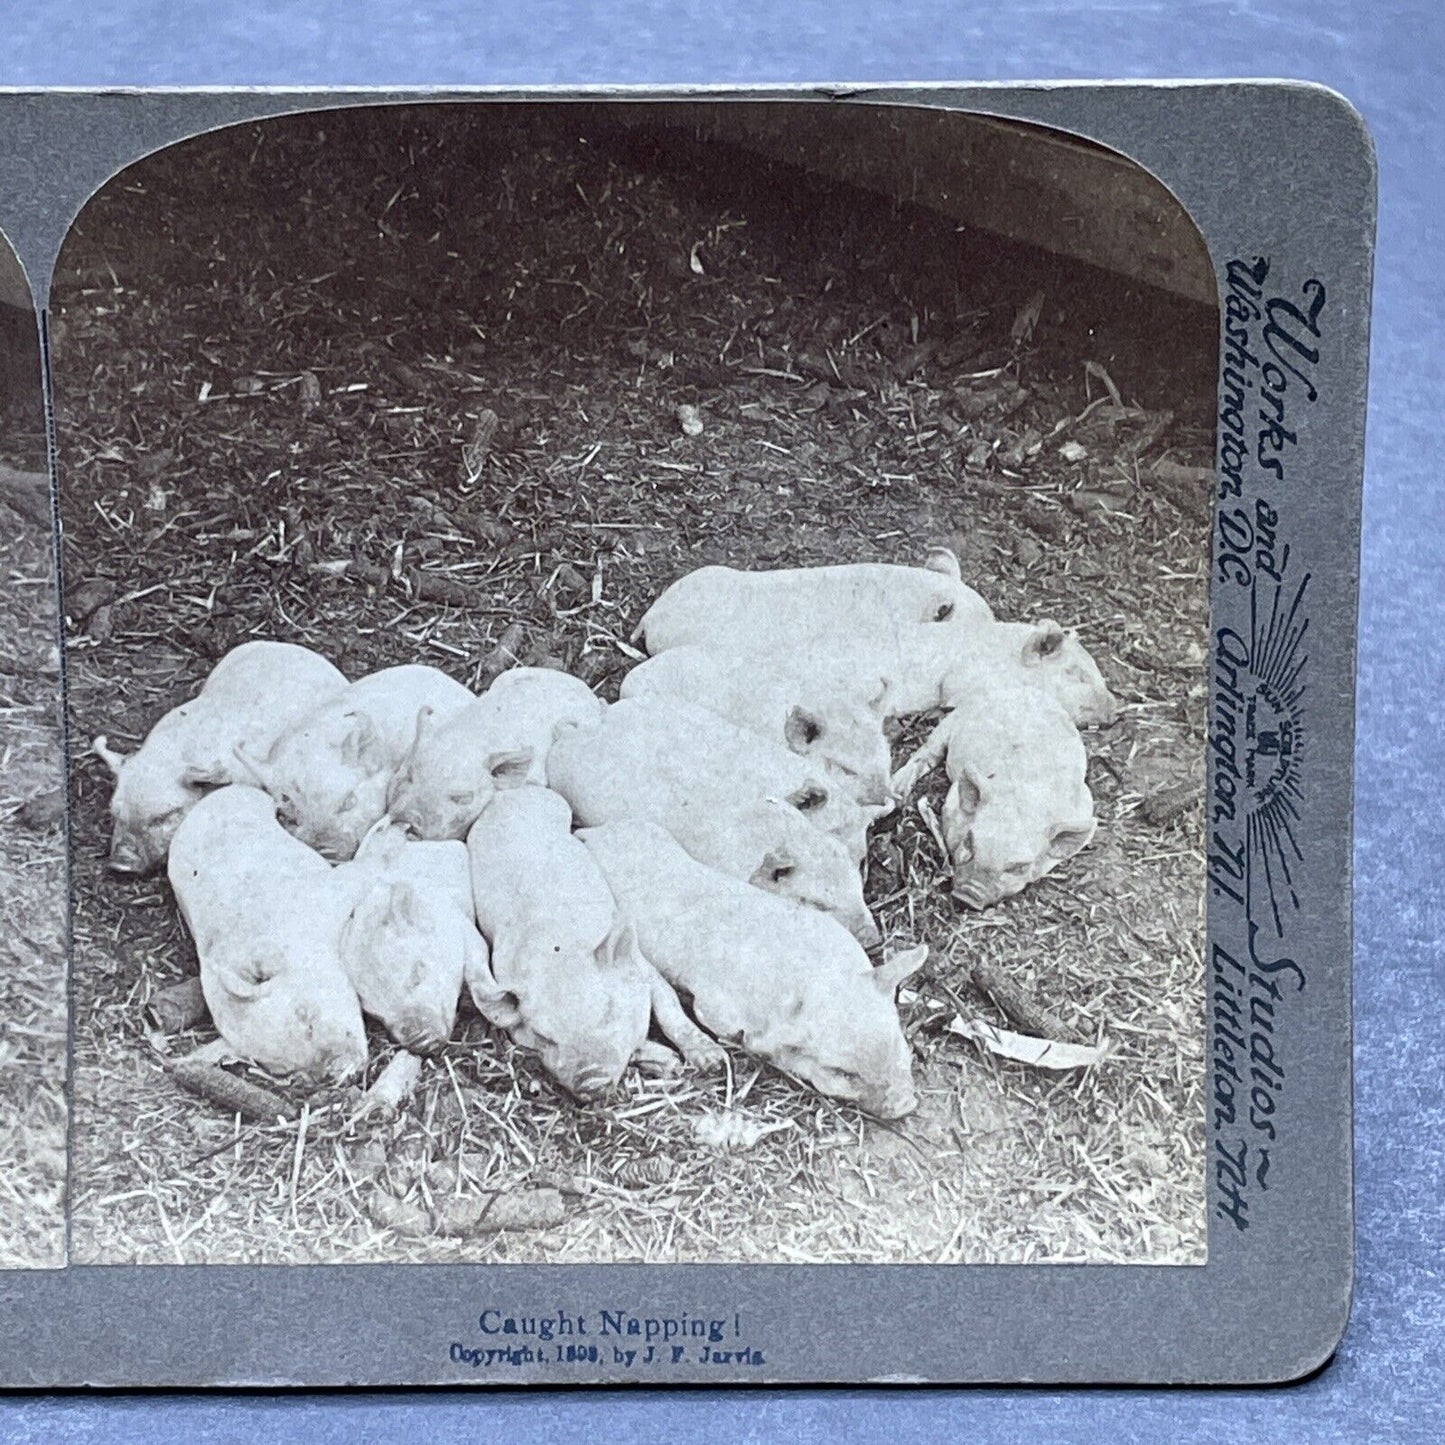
{"points": [[405, 386]]}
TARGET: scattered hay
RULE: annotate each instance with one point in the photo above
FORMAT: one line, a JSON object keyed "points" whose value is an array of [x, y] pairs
{"points": [[500, 361], [32, 864]]}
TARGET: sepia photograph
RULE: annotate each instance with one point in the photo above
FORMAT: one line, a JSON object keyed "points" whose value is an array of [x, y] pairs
{"points": [[636, 685], [32, 808]]}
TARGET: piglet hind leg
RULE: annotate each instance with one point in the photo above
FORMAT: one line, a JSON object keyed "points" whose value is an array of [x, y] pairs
{"points": [[701, 1051], [928, 757], [656, 1059], [215, 1053], [392, 1087]]}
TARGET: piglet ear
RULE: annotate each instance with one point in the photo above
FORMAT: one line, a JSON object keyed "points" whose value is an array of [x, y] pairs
{"points": [[964, 796], [401, 908], [509, 769], [424, 718], [1045, 639], [383, 840], [245, 980], [362, 746], [802, 729], [809, 798], [238, 987], [943, 560], [776, 866], [498, 1005], [562, 727], [619, 948], [1069, 838], [257, 769], [205, 776], [901, 966], [112, 759]]}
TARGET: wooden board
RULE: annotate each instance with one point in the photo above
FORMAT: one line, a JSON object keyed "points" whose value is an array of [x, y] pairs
{"points": [[1033, 185]]}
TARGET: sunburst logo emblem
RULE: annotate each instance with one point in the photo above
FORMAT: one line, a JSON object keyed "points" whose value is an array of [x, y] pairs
{"points": [[1275, 744]]}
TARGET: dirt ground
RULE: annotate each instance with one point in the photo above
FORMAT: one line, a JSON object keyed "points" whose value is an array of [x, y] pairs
{"points": [[32, 840], [279, 354]]}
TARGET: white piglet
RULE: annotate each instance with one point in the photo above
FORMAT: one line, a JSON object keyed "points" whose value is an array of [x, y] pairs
{"points": [[410, 938], [758, 612], [925, 668], [771, 845], [1017, 803], [1043, 654], [836, 722], [330, 770], [500, 740], [266, 919], [920, 629], [664, 759], [251, 696], [564, 977], [786, 982]]}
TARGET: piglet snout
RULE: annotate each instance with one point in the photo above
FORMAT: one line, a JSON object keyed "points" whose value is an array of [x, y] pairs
{"points": [[424, 1037], [345, 1068], [591, 1085], [895, 1104], [126, 859], [878, 794], [865, 930], [973, 891]]}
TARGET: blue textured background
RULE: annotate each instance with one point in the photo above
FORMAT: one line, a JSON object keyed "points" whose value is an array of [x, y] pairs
{"points": [[1386, 1381]]}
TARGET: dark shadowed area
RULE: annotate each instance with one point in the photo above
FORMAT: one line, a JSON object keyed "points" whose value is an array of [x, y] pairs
{"points": [[404, 386], [32, 812]]}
